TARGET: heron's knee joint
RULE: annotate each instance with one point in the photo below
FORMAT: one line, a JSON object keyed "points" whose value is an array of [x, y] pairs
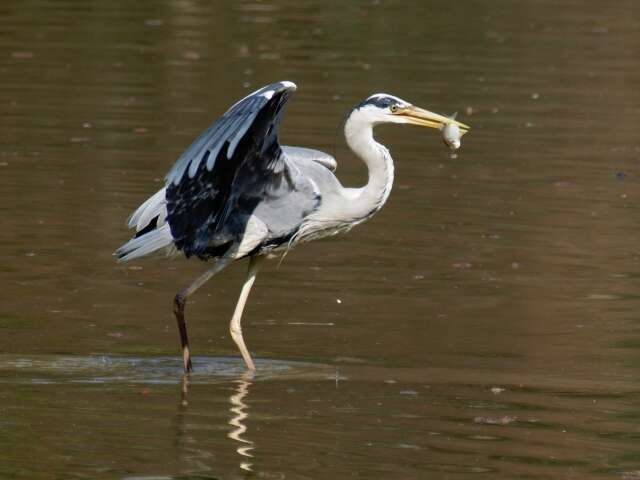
{"points": [[179, 301]]}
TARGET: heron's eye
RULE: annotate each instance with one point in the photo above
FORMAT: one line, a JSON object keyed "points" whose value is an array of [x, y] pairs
{"points": [[394, 108]]}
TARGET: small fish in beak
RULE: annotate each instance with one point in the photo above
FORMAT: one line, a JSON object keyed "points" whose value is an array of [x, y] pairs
{"points": [[451, 134]]}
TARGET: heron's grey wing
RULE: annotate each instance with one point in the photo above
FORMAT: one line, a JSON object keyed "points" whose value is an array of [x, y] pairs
{"points": [[309, 154], [235, 165]]}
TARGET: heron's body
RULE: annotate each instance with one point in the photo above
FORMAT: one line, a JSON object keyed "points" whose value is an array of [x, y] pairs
{"points": [[273, 224], [235, 192]]}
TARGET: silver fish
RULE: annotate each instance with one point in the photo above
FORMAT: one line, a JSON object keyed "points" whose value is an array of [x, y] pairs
{"points": [[451, 134]]}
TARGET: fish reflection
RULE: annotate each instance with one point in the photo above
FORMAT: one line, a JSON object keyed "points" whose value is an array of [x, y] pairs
{"points": [[239, 410]]}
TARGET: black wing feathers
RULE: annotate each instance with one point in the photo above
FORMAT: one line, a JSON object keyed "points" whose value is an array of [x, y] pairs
{"points": [[231, 166]]}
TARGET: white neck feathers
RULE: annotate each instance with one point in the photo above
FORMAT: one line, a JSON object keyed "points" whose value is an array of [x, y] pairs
{"points": [[359, 135]]}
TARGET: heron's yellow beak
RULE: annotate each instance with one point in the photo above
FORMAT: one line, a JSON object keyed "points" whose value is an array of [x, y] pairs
{"points": [[425, 118]]}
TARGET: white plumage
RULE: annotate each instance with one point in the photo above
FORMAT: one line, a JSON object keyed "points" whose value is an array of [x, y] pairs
{"points": [[153, 241], [158, 238], [154, 206]]}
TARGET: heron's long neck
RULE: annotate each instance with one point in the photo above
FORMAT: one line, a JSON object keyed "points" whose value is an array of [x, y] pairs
{"points": [[370, 198]]}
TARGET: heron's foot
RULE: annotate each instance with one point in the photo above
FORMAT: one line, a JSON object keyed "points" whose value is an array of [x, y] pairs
{"points": [[236, 335], [246, 356], [186, 359], [250, 365]]}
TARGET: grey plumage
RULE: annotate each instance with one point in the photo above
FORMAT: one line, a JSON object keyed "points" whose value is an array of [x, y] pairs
{"points": [[154, 210], [209, 209], [301, 154], [235, 192], [156, 239], [233, 171]]}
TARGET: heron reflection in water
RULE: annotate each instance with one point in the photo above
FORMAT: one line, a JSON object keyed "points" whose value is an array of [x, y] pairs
{"points": [[236, 192], [240, 414], [199, 458]]}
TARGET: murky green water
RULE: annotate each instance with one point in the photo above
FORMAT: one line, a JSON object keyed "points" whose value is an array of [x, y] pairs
{"points": [[484, 323]]}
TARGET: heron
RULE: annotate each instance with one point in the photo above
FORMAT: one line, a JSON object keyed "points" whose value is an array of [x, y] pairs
{"points": [[236, 192]]}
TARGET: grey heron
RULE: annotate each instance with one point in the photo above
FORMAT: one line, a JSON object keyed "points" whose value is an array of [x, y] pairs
{"points": [[236, 192]]}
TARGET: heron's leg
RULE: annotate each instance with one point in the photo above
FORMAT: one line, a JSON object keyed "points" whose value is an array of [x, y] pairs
{"points": [[181, 299], [234, 327]]}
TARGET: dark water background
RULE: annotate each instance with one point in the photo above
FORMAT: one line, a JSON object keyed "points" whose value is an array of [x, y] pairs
{"points": [[483, 325]]}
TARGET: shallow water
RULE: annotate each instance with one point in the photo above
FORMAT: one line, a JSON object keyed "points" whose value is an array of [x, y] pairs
{"points": [[483, 323]]}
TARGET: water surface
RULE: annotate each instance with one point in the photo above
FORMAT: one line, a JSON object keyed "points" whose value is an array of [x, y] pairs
{"points": [[483, 323]]}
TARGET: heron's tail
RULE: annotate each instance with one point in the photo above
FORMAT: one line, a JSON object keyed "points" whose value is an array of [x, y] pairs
{"points": [[152, 230], [151, 241]]}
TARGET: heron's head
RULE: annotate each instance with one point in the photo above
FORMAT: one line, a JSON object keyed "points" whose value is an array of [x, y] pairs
{"points": [[384, 108]]}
